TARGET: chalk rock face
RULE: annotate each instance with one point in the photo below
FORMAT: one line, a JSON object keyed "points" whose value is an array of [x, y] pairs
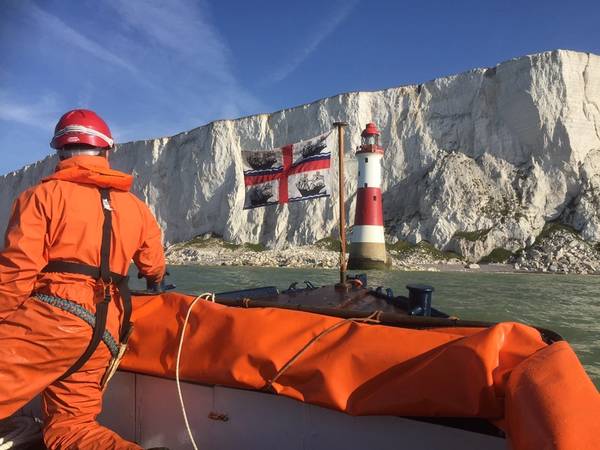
{"points": [[472, 162]]}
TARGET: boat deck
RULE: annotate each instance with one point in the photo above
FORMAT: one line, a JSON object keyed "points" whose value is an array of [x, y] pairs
{"points": [[353, 298]]}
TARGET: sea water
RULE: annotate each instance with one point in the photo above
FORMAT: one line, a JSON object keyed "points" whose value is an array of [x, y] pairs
{"points": [[567, 304]]}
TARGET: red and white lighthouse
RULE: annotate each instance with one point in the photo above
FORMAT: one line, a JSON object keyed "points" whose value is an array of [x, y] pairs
{"points": [[367, 246]]}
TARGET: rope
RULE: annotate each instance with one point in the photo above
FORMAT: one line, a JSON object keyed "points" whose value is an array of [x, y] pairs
{"points": [[373, 318], [20, 432], [206, 296], [85, 315]]}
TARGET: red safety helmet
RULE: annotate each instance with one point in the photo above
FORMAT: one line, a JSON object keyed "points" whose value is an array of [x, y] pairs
{"points": [[81, 126]]}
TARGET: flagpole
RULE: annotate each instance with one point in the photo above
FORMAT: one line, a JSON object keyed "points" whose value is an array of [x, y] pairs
{"points": [[340, 126]]}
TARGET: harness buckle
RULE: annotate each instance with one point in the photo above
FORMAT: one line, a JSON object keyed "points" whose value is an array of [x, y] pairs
{"points": [[104, 287], [106, 204]]}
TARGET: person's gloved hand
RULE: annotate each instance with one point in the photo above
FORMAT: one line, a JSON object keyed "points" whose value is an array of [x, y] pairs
{"points": [[154, 286], [158, 287]]}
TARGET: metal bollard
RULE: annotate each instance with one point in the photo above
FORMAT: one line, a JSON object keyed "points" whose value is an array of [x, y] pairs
{"points": [[419, 299]]}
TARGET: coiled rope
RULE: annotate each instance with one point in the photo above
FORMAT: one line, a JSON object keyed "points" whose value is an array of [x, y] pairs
{"points": [[373, 318], [206, 296]]}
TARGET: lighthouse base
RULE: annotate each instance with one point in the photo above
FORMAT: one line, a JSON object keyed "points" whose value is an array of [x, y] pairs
{"points": [[368, 255]]}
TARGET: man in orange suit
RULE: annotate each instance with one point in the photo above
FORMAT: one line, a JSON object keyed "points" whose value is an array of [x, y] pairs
{"points": [[64, 302]]}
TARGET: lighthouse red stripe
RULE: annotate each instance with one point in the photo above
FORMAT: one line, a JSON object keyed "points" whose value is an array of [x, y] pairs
{"points": [[368, 207]]}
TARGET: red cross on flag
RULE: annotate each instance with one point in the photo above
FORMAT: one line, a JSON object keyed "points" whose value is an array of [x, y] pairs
{"points": [[288, 174]]}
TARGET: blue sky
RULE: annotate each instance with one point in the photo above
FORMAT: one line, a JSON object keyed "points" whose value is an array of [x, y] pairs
{"points": [[155, 68]]}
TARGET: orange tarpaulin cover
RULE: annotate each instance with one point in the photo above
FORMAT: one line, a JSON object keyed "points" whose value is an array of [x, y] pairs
{"points": [[540, 393]]}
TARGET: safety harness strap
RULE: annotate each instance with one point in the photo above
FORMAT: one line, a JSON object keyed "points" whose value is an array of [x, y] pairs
{"points": [[106, 238], [101, 307], [85, 315], [103, 273], [58, 265], [121, 281]]}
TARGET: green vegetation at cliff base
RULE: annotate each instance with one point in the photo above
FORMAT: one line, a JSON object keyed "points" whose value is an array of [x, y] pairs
{"points": [[554, 227], [217, 241], [402, 250], [498, 255], [472, 236], [329, 243]]}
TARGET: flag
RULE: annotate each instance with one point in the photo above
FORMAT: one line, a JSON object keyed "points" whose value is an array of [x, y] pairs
{"points": [[288, 174]]}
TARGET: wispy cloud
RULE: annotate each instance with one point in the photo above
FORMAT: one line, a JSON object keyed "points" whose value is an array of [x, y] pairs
{"points": [[175, 70], [69, 35], [187, 45], [182, 27], [40, 114], [322, 31]]}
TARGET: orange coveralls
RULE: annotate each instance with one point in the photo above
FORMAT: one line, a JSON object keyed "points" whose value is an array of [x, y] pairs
{"points": [[61, 219]]}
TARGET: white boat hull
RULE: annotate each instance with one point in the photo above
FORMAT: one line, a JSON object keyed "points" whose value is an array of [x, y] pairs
{"points": [[146, 410]]}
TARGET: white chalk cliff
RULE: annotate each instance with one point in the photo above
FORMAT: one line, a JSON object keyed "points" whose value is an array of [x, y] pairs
{"points": [[472, 162]]}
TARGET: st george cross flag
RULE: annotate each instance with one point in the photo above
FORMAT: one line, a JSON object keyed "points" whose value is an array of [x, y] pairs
{"points": [[288, 174]]}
